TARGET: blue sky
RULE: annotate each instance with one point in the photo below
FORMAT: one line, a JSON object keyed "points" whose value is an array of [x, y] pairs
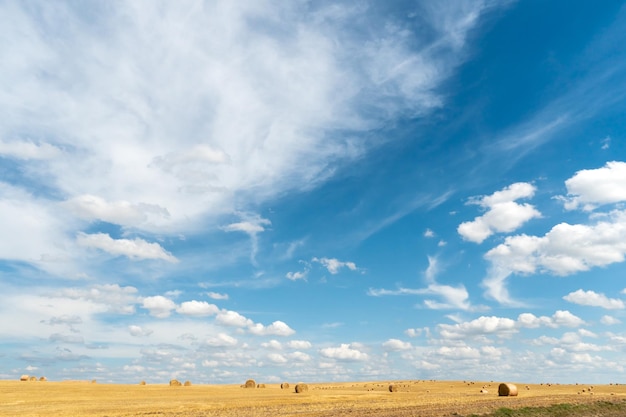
{"points": [[313, 191]]}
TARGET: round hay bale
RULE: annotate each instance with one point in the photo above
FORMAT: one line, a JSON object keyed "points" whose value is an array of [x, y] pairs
{"points": [[93, 381], [43, 379], [250, 384], [301, 388], [187, 383], [175, 383], [393, 388], [507, 390], [284, 385], [24, 378], [261, 386], [142, 383], [32, 378]]}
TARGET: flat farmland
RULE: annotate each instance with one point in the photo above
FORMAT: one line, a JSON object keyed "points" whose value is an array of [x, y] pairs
{"points": [[413, 398]]}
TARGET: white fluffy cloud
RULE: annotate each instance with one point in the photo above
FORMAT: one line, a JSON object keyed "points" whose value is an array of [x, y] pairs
{"points": [[139, 331], [197, 308], [345, 352], [561, 318], [396, 345], [564, 250], [505, 327], [478, 327], [294, 276], [503, 213], [609, 320], [159, 306], [133, 249], [334, 265], [594, 299], [299, 344], [221, 340], [117, 299], [277, 328], [590, 188]]}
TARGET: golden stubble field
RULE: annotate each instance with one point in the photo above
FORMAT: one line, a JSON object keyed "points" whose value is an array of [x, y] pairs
{"points": [[413, 398]]}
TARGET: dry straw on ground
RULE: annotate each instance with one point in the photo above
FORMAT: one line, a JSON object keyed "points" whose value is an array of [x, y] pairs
{"points": [[507, 390]]}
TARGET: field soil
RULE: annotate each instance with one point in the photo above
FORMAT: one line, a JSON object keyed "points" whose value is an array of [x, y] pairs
{"points": [[412, 398]]}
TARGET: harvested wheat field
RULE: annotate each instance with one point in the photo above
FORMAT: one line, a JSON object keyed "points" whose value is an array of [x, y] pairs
{"points": [[410, 398]]}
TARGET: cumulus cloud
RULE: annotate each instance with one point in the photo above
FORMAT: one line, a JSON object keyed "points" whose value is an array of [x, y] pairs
{"points": [[458, 352], [503, 214], [133, 249], [344, 352], [234, 319], [139, 331], [396, 345], [334, 265], [277, 328], [221, 340], [564, 250], [277, 358], [561, 318], [609, 320], [594, 299], [272, 344], [197, 308], [506, 327], [115, 298], [159, 306], [479, 327], [590, 188], [300, 356], [299, 344]]}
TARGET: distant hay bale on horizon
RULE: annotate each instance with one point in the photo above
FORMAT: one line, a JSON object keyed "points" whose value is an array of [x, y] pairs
{"points": [[251, 383], [507, 390], [284, 385], [43, 379], [93, 381], [142, 383], [175, 383], [301, 388], [187, 383], [32, 378], [24, 378], [260, 386], [393, 388]]}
